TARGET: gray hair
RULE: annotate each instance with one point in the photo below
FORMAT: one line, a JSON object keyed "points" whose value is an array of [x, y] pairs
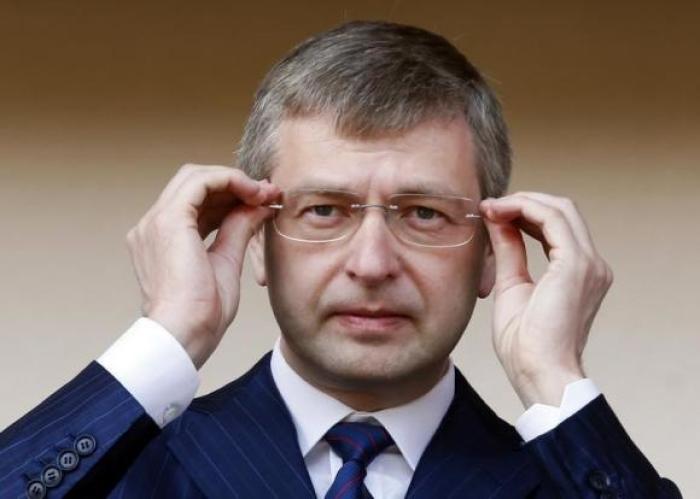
{"points": [[375, 78]]}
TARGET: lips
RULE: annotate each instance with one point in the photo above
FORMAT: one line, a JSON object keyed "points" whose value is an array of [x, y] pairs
{"points": [[370, 312], [370, 320]]}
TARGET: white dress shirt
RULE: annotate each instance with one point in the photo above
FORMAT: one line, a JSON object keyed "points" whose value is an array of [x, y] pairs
{"points": [[152, 365], [411, 426]]}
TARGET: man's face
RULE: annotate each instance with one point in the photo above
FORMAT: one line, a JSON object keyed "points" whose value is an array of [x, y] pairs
{"points": [[371, 308]]}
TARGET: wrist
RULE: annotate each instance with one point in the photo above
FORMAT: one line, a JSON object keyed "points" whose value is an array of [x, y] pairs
{"points": [[545, 386], [191, 342]]}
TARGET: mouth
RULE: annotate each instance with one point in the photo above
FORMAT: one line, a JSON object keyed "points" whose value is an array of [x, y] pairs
{"points": [[370, 321]]}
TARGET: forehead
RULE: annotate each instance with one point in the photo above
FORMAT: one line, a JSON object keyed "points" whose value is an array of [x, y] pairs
{"points": [[435, 156]]}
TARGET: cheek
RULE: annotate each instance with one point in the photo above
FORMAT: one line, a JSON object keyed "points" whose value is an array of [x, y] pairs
{"points": [[449, 285], [297, 276]]}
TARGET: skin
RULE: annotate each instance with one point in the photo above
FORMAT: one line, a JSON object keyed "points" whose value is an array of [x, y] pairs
{"points": [[367, 319], [539, 328]]}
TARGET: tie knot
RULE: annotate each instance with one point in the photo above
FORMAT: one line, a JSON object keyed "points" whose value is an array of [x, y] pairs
{"points": [[360, 442]]}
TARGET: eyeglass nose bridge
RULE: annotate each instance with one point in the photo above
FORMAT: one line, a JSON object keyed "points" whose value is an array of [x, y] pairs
{"points": [[388, 219], [387, 208]]}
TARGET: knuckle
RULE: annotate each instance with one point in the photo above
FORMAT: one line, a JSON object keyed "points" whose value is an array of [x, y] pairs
{"points": [[238, 175], [183, 172], [155, 222], [141, 229], [159, 220], [600, 271], [586, 266], [609, 275], [187, 170], [553, 213], [566, 204], [579, 268], [130, 239]]}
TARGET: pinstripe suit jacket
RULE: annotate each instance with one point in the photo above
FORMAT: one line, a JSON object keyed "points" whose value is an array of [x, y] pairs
{"points": [[240, 442]]}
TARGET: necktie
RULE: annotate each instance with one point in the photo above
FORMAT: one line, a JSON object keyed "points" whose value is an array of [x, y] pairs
{"points": [[358, 444]]}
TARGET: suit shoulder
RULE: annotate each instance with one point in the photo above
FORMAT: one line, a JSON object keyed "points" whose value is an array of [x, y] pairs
{"points": [[202, 407], [503, 434]]}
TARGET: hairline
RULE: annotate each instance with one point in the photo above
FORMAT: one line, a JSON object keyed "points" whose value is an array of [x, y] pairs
{"points": [[270, 163]]}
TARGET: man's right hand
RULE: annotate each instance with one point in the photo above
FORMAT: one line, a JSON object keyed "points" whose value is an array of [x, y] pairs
{"points": [[191, 290]]}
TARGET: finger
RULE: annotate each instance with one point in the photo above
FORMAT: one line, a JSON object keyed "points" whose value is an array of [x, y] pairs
{"points": [[191, 176], [181, 176], [218, 205], [210, 219], [202, 184], [554, 229], [533, 231], [571, 213], [213, 210], [510, 254], [228, 248]]}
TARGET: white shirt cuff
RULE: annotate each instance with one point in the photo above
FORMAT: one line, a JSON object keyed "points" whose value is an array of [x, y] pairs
{"points": [[541, 418], [152, 365]]}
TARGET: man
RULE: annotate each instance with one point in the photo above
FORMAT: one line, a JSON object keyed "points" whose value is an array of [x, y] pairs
{"points": [[371, 189]]}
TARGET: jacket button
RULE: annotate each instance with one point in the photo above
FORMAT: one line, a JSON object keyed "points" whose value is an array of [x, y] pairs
{"points": [[68, 460], [599, 480], [85, 445], [36, 490], [51, 476]]}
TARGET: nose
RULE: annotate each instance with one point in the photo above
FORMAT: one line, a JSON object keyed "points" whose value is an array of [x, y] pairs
{"points": [[372, 251]]}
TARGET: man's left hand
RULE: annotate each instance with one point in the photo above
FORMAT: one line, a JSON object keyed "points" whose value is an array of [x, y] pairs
{"points": [[540, 328]]}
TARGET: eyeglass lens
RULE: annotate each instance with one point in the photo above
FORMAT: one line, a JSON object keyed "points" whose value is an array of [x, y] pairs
{"points": [[319, 216]]}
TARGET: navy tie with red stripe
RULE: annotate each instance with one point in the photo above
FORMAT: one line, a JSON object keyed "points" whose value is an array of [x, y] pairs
{"points": [[358, 444]]}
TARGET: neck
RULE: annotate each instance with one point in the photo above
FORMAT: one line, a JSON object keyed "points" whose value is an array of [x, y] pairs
{"points": [[368, 396]]}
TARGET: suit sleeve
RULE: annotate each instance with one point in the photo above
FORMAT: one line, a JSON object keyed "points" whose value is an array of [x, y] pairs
{"points": [[90, 429], [590, 455]]}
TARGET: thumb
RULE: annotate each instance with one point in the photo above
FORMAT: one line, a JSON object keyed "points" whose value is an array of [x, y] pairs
{"points": [[509, 253], [233, 236]]}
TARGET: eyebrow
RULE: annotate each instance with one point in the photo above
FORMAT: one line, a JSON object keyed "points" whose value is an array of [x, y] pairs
{"points": [[323, 185], [409, 187], [428, 187]]}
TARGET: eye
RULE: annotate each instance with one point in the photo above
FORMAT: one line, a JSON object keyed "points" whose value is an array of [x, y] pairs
{"points": [[425, 213], [322, 210], [322, 215]]}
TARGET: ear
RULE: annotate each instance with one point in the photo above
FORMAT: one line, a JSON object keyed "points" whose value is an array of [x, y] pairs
{"points": [[488, 271], [257, 255]]}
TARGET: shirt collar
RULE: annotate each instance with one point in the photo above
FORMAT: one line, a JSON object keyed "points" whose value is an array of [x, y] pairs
{"points": [[313, 412]]}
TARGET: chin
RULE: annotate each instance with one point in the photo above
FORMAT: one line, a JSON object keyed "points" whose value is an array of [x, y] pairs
{"points": [[352, 363]]}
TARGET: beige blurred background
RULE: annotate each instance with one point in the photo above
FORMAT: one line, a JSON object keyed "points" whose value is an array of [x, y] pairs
{"points": [[100, 102]]}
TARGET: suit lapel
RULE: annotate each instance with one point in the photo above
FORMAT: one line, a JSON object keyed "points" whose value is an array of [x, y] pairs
{"points": [[473, 454], [240, 441]]}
